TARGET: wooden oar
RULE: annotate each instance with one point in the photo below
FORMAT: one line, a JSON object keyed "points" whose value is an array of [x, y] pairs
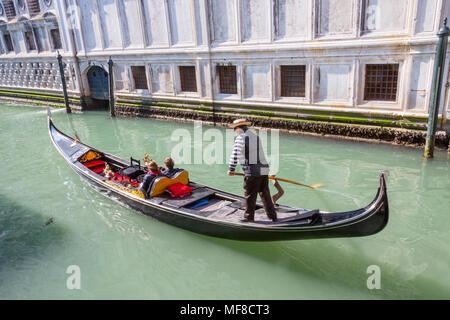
{"points": [[314, 186]]}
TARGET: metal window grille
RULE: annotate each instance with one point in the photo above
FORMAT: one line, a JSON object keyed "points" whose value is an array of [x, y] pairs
{"points": [[293, 81], [56, 39], [10, 10], [30, 40], [8, 42], [227, 79], [381, 82], [33, 7], [139, 77], [188, 79]]}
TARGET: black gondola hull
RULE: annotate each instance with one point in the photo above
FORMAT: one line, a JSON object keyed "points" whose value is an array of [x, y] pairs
{"points": [[369, 226], [366, 221]]}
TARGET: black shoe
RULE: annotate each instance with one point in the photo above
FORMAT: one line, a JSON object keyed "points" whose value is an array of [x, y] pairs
{"points": [[274, 219]]}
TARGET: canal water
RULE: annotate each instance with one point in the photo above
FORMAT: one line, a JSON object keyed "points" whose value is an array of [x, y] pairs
{"points": [[50, 220]]}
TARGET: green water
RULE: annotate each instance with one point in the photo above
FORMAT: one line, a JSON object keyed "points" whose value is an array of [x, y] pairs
{"points": [[122, 254]]}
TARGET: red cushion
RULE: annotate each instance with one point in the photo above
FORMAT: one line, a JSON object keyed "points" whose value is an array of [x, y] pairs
{"points": [[117, 177], [98, 169], [179, 190], [94, 163], [120, 178]]}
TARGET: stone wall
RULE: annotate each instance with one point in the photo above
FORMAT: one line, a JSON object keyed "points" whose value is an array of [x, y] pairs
{"points": [[366, 132]]}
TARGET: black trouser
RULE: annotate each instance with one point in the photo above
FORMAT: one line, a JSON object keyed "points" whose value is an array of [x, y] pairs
{"points": [[252, 186]]}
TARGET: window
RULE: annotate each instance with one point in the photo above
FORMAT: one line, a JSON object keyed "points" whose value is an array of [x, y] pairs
{"points": [[139, 77], [56, 39], [188, 79], [10, 10], [227, 79], [292, 81], [29, 40], [33, 7], [8, 42], [381, 82]]}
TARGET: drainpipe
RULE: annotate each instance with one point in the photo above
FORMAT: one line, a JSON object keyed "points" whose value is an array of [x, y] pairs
{"points": [[436, 90], [63, 80], [111, 88]]}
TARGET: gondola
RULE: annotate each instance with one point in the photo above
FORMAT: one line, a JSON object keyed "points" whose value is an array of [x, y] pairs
{"points": [[211, 211]]}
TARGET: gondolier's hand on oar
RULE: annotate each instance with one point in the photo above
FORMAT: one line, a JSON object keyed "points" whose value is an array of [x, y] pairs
{"points": [[230, 173]]}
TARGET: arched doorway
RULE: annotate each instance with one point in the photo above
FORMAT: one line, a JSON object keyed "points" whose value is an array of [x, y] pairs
{"points": [[98, 86]]}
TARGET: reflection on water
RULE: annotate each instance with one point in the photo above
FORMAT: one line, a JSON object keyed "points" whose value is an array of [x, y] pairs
{"points": [[123, 254]]}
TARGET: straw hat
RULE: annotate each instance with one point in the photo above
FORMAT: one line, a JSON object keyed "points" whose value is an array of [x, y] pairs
{"points": [[240, 122]]}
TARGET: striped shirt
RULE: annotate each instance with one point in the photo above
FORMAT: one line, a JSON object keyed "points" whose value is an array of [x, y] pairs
{"points": [[249, 153], [238, 152]]}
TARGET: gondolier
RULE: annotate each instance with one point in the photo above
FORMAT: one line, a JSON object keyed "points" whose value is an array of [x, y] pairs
{"points": [[249, 153]]}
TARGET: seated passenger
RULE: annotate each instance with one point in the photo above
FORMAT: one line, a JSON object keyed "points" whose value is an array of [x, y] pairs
{"points": [[151, 174], [169, 167]]}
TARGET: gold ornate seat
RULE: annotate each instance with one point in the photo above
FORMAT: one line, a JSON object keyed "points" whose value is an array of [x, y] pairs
{"points": [[160, 183]]}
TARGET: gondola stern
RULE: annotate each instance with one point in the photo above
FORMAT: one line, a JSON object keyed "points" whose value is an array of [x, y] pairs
{"points": [[50, 124], [49, 119], [71, 149]]}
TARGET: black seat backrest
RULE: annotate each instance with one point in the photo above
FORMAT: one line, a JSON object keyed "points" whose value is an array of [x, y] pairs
{"points": [[173, 173], [138, 162]]}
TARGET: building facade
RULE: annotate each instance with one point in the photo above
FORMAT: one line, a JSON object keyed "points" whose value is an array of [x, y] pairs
{"points": [[364, 58]]}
